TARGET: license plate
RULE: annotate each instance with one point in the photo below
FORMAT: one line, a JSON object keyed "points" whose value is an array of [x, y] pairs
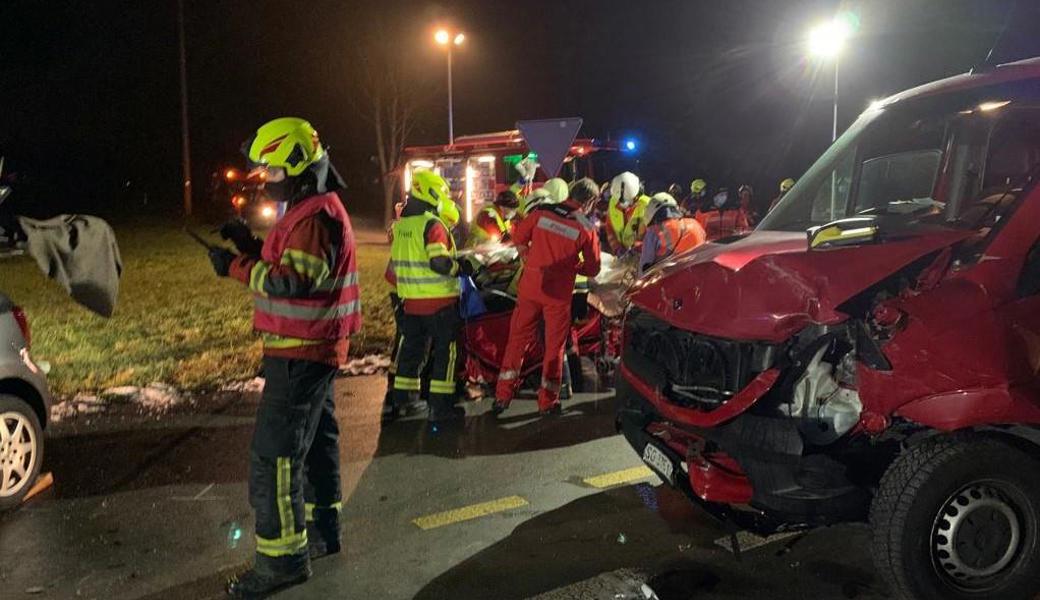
{"points": [[659, 462]]}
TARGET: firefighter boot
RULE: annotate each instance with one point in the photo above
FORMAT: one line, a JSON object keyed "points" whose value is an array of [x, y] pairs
{"points": [[269, 575], [323, 533]]}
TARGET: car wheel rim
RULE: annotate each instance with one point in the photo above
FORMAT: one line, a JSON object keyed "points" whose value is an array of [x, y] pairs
{"points": [[977, 534], [17, 452]]}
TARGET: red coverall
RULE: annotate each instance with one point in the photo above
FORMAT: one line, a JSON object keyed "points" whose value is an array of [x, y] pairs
{"points": [[558, 242]]}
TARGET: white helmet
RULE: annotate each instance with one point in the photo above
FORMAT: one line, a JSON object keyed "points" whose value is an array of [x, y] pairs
{"points": [[625, 187], [535, 198], [659, 201]]}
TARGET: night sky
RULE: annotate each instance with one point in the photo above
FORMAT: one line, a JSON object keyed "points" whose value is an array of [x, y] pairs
{"points": [[718, 89]]}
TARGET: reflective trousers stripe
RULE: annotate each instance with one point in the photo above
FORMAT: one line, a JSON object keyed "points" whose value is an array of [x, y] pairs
{"points": [[289, 542], [310, 506], [406, 384]]}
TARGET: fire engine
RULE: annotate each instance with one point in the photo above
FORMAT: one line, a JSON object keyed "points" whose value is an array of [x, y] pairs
{"points": [[478, 167]]}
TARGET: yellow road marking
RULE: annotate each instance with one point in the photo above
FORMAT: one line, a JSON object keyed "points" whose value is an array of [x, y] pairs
{"points": [[466, 513], [618, 477]]}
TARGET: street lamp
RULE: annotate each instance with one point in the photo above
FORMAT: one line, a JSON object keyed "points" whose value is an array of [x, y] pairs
{"points": [[446, 39], [826, 42]]}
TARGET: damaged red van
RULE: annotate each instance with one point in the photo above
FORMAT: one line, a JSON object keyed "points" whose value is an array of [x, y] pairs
{"points": [[871, 352]]}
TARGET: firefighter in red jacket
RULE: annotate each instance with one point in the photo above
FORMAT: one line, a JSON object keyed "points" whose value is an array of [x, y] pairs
{"points": [[307, 304], [557, 243], [668, 232]]}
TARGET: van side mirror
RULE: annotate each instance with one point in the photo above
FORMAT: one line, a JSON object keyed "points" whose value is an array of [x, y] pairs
{"points": [[844, 232]]}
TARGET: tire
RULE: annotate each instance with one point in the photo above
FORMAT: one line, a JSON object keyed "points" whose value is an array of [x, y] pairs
{"points": [[16, 416], [978, 490]]}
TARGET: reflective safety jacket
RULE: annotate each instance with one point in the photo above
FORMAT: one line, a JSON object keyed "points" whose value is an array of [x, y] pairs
{"points": [[305, 288], [722, 223], [488, 225], [410, 259], [671, 236], [557, 242], [623, 229]]}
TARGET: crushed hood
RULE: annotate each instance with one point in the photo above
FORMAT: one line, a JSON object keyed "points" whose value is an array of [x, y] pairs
{"points": [[768, 285]]}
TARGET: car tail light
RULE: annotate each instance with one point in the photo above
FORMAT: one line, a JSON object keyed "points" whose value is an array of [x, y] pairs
{"points": [[23, 324]]}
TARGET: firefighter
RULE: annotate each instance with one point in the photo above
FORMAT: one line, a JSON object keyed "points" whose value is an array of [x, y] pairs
{"points": [[698, 193], [558, 243], [721, 217], [746, 199], [668, 232], [625, 212], [449, 213], [423, 258], [785, 186], [305, 288], [494, 222]]}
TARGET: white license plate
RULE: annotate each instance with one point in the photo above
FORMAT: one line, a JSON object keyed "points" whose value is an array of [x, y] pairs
{"points": [[659, 462]]}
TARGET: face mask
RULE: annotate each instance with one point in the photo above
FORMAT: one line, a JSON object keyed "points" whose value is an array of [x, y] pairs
{"points": [[720, 199]]}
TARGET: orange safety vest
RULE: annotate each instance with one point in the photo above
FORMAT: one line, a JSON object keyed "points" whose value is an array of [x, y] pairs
{"points": [[675, 236], [331, 312]]}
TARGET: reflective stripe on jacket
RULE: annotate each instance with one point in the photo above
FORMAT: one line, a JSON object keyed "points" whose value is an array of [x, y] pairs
{"points": [[331, 310], [625, 231], [410, 260]]}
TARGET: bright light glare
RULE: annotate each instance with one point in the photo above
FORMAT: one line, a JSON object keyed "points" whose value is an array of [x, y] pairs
{"points": [[827, 39], [267, 212], [471, 174], [442, 36], [875, 104], [230, 174], [988, 106], [486, 159], [459, 38]]}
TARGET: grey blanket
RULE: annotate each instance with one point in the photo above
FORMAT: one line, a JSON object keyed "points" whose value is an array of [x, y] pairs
{"points": [[81, 254]]}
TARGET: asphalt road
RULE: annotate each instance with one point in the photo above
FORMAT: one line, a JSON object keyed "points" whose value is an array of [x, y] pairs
{"points": [[518, 507]]}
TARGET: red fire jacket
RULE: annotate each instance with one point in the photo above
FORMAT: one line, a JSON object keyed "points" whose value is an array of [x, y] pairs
{"points": [[305, 287], [558, 243]]}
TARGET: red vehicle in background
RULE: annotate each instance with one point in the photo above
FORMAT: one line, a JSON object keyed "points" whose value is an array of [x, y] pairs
{"points": [[871, 352], [478, 167]]}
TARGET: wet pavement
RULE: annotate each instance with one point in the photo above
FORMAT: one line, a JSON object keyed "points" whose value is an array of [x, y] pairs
{"points": [[518, 507]]}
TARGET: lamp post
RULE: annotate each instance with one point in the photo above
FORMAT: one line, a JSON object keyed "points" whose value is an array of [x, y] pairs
{"points": [[826, 42], [446, 39]]}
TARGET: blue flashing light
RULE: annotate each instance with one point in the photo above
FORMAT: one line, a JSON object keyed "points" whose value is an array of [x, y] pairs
{"points": [[630, 145]]}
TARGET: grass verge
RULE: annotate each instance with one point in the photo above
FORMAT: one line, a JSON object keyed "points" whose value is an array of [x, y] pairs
{"points": [[175, 321]]}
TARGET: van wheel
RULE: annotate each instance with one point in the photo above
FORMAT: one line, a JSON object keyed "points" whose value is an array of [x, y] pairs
{"points": [[957, 517], [21, 450]]}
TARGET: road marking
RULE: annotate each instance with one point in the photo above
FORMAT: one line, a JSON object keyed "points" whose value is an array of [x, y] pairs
{"points": [[466, 513], [203, 492], [618, 477]]}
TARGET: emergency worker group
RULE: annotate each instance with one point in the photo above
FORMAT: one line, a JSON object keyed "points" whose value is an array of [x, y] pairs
{"points": [[304, 281]]}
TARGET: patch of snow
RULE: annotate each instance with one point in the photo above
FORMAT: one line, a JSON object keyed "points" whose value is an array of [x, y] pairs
{"points": [[255, 384], [366, 365]]}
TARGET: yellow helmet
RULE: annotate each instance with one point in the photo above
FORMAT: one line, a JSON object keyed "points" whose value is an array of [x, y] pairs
{"points": [[786, 185], [535, 198], [697, 186], [288, 142], [430, 188], [448, 211]]}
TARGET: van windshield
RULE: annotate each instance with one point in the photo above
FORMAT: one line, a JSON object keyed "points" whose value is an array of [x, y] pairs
{"points": [[930, 165]]}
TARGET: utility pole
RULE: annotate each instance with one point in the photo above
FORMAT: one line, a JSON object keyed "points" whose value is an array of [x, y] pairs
{"points": [[185, 143]]}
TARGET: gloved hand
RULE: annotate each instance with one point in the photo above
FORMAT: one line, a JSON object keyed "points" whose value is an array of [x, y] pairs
{"points": [[241, 236], [221, 259], [466, 267], [527, 169]]}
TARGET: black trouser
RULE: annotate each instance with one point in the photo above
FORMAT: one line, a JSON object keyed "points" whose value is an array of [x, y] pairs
{"points": [[437, 333], [294, 466]]}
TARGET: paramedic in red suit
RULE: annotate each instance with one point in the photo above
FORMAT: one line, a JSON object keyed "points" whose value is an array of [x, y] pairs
{"points": [[557, 242]]}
